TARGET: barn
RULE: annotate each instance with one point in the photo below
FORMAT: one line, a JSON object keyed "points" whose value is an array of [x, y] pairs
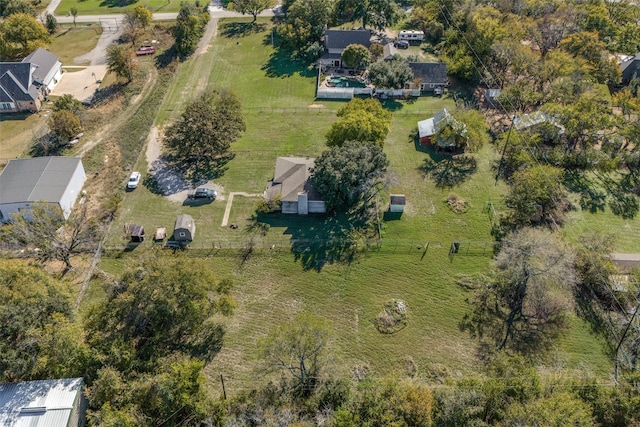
{"points": [[55, 180], [184, 229]]}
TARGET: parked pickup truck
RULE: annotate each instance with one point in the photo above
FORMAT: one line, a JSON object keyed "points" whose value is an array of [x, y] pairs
{"points": [[203, 193], [145, 50]]}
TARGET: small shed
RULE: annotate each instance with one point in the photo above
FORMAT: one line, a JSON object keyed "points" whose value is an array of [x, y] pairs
{"points": [[398, 201], [161, 234], [491, 97], [184, 229], [137, 233]]}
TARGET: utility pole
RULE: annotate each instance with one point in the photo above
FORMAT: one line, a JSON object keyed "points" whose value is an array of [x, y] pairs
{"points": [[224, 391], [615, 373]]}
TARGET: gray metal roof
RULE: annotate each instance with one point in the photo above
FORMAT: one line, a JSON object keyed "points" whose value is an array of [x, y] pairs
{"points": [[37, 179], [339, 39], [44, 60], [46, 403], [430, 72]]}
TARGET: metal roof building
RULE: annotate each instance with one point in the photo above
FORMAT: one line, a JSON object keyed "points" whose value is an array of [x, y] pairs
{"points": [[57, 180], [47, 403]]}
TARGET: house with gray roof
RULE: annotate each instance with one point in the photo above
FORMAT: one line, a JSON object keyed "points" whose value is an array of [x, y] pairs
{"points": [[630, 69], [335, 41], [292, 186], [431, 75], [23, 85], [55, 180], [46, 403]]}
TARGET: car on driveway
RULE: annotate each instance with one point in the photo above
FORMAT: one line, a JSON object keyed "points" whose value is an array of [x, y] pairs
{"points": [[134, 180], [401, 44], [203, 193]]}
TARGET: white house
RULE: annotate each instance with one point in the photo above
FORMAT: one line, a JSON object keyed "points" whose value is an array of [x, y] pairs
{"points": [[56, 180], [48, 70], [45, 403], [292, 186]]}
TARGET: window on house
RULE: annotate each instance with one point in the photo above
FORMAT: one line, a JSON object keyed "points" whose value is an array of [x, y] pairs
{"points": [[6, 106]]}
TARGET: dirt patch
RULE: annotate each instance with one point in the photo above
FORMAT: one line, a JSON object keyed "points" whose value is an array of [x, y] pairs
{"points": [[169, 181], [316, 106]]}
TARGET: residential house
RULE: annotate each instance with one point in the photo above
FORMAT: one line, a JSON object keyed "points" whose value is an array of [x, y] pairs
{"points": [[335, 41], [430, 76], [44, 403], [388, 50], [292, 186], [630, 69], [184, 229], [55, 180], [435, 127], [23, 85]]}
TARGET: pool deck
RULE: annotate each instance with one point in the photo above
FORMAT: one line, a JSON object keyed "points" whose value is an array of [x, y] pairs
{"points": [[326, 82]]}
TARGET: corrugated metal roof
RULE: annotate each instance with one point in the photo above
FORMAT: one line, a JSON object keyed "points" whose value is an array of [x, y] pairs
{"points": [[46, 403], [40, 178]]}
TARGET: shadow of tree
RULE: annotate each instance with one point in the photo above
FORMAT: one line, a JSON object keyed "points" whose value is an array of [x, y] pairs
{"points": [[167, 57], [595, 196], [241, 29], [391, 104], [282, 64], [317, 240], [591, 198], [448, 170], [196, 170], [116, 3]]}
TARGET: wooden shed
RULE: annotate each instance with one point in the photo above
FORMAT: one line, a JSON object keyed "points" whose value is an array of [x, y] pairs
{"points": [[398, 201], [184, 229]]}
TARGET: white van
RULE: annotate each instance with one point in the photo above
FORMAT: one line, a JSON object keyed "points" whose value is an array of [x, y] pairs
{"points": [[411, 35]]}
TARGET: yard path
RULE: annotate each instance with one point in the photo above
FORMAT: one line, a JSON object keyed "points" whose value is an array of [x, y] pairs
{"points": [[227, 209]]}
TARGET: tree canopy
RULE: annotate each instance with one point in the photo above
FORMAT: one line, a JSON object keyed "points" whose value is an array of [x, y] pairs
{"points": [[21, 34], [38, 339], [363, 120], [189, 28], [201, 138], [251, 7], [393, 74], [121, 62], [304, 25], [356, 56], [348, 177]]}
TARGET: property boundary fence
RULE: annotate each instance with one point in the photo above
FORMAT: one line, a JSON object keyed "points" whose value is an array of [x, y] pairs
{"points": [[324, 110]]}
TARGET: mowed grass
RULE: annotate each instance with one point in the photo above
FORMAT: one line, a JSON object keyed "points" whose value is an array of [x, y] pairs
{"points": [[72, 42], [102, 7], [271, 286], [17, 132]]}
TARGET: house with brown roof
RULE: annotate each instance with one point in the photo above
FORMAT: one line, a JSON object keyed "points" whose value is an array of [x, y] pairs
{"points": [[291, 185], [25, 84]]}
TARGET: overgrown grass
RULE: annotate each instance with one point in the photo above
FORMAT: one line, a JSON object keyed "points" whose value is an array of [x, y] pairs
{"points": [[71, 42], [413, 264]]}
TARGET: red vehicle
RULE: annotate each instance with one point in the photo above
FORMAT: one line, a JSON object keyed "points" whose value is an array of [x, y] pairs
{"points": [[145, 50]]}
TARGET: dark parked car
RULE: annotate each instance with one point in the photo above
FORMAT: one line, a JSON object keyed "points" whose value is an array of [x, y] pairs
{"points": [[401, 44], [203, 193]]}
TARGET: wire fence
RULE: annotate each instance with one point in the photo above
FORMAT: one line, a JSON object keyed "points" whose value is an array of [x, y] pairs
{"points": [[320, 109]]}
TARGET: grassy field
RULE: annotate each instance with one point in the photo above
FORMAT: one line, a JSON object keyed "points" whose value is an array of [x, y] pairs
{"points": [[272, 285], [101, 7], [18, 130], [71, 42]]}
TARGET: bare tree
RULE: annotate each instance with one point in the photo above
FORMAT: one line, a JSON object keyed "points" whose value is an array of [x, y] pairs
{"points": [[44, 231]]}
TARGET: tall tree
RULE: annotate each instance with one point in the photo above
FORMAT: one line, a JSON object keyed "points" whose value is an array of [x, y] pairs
{"points": [[121, 62], [189, 28], [51, 23], [362, 120], [201, 138], [21, 34], [74, 12], [299, 348], [356, 56], [56, 239], [393, 74], [524, 302], [304, 24], [37, 337], [251, 7], [65, 125], [348, 177]]}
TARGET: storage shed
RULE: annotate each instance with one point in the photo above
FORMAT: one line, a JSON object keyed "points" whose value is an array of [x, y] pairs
{"points": [[184, 229], [398, 202], [44, 403]]}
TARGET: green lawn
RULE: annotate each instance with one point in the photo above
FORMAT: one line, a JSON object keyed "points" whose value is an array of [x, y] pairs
{"points": [[101, 7], [71, 42], [17, 132], [273, 285]]}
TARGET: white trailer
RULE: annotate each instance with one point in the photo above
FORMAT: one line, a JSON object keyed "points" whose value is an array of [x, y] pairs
{"points": [[411, 35]]}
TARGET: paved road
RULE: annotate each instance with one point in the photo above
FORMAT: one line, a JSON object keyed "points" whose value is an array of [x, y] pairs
{"points": [[216, 12]]}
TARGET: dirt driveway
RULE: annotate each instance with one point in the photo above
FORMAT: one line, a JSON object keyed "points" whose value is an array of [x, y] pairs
{"points": [[83, 83]]}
